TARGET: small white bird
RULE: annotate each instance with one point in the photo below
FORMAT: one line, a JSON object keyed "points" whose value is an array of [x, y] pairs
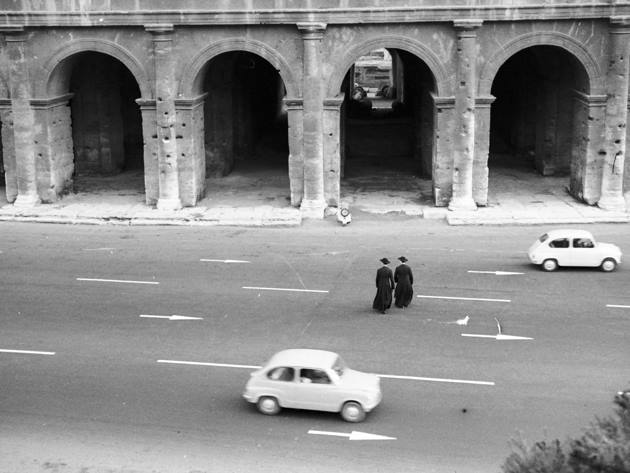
{"points": [[500, 330], [463, 321]]}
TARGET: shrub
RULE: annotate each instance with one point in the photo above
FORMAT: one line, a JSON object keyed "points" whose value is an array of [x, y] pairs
{"points": [[604, 447]]}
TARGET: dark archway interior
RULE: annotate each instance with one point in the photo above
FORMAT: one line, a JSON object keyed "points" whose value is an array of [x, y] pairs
{"points": [[388, 116], [244, 118], [533, 116], [106, 120]]}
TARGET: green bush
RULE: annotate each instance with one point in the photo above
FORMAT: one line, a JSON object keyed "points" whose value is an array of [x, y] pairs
{"points": [[604, 447]]}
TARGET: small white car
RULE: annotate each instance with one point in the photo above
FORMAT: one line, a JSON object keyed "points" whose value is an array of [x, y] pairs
{"points": [[313, 379], [573, 248]]}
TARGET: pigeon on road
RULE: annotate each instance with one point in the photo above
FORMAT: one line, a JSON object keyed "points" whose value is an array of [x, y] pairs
{"points": [[463, 321]]}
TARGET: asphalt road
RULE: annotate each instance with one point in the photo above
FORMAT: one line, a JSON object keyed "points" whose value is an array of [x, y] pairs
{"points": [[103, 402]]}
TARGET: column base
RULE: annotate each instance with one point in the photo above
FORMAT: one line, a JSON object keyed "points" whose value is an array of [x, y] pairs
{"points": [[462, 203], [169, 204], [616, 202], [26, 201], [313, 208]]}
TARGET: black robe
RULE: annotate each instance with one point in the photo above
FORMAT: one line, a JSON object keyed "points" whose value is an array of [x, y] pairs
{"points": [[384, 288], [404, 281]]}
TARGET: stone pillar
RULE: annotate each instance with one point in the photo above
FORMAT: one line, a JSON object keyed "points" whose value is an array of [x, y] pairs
{"points": [[23, 116], [150, 151], [165, 92], [295, 111], [586, 160], [191, 159], [332, 150], [482, 149], [313, 202], [616, 116], [464, 142], [442, 171], [53, 148], [8, 150]]}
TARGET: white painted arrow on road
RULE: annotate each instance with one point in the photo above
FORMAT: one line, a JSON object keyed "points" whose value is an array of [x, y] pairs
{"points": [[223, 260], [499, 336], [498, 273], [354, 435], [171, 317]]}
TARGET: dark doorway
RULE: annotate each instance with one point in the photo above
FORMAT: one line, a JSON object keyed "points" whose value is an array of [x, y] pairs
{"points": [[532, 118], [106, 123], [388, 125], [245, 122]]}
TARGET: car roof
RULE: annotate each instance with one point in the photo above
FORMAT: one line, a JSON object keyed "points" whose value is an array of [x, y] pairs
{"points": [[569, 232], [303, 357]]}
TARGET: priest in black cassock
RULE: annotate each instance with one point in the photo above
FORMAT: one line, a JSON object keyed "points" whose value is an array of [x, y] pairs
{"points": [[404, 284], [384, 287]]}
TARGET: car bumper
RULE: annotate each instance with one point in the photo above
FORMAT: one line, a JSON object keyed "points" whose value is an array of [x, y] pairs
{"points": [[373, 401]]}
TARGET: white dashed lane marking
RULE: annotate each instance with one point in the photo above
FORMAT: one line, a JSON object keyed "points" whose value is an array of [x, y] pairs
{"points": [[117, 281], [283, 289], [28, 352], [465, 298], [618, 306], [391, 376]]}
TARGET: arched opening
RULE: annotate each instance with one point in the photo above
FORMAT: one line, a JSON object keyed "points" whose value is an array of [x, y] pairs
{"points": [[388, 129], [106, 125], [534, 121], [245, 135]]}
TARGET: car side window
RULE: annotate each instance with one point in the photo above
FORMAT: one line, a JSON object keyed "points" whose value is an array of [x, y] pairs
{"points": [[560, 243], [583, 243], [308, 375], [281, 374]]}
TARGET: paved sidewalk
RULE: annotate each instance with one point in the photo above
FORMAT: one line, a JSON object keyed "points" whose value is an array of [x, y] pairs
{"points": [[515, 197]]}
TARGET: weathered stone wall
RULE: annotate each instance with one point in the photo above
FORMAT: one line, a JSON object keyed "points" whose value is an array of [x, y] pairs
{"points": [[42, 41]]}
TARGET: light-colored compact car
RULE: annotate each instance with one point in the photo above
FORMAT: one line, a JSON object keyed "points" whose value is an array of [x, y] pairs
{"points": [[313, 379], [570, 247]]}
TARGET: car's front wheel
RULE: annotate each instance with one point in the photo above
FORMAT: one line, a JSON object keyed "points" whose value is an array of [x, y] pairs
{"points": [[352, 412], [550, 265], [268, 405], [608, 265]]}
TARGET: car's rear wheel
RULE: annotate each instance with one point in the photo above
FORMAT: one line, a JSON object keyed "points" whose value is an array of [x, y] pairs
{"points": [[268, 405], [352, 412], [550, 265], [608, 265]]}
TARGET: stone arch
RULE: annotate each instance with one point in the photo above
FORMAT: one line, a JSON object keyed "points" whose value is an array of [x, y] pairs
{"points": [[54, 68], [190, 84], [548, 38], [395, 42]]}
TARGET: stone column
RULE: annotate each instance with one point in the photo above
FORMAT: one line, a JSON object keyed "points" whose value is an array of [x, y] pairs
{"points": [[464, 142], [150, 151], [8, 150], [313, 202], [442, 171], [23, 117], [332, 149], [616, 116], [586, 160], [482, 149], [53, 146], [165, 92], [191, 149], [295, 110]]}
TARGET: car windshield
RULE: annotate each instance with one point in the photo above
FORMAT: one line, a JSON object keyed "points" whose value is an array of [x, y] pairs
{"points": [[339, 366], [543, 237]]}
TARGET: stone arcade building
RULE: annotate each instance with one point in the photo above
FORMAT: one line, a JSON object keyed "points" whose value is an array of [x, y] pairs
{"points": [[104, 86]]}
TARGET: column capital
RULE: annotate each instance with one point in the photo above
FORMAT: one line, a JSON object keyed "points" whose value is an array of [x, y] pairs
{"points": [[334, 103], [467, 25], [484, 101], [160, 31], [13, 33], [293, 103], [311, 30], [622, 22], [442, 103]]}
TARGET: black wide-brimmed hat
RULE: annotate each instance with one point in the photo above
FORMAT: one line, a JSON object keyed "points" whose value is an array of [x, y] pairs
{"points": [[384, 261], [403, 259]]}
